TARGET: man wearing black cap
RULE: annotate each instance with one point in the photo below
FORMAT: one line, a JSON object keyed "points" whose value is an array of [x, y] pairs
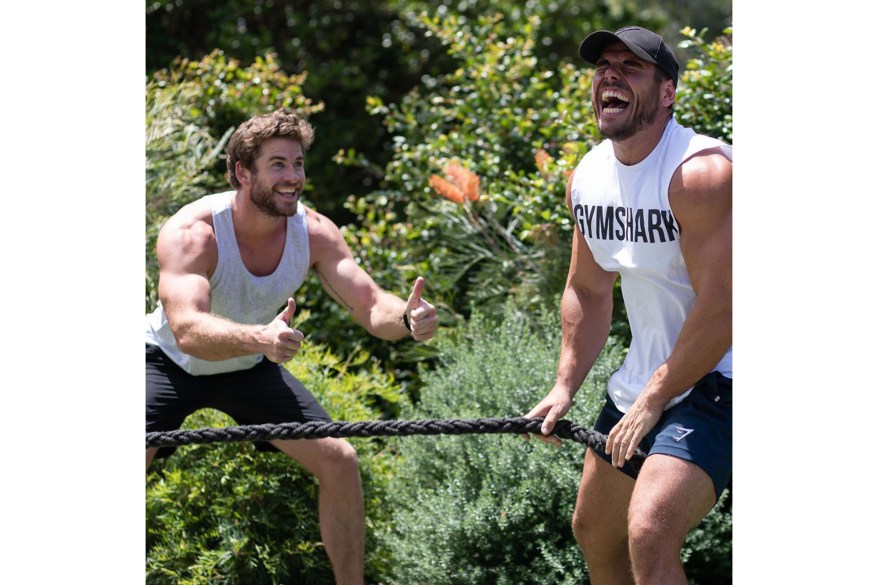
{"points": [[652, 205]]}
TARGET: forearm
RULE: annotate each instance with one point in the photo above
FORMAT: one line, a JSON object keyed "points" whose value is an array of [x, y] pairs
{"points": [[585, 326], [704, 340], [384, 320], [213, 338]]}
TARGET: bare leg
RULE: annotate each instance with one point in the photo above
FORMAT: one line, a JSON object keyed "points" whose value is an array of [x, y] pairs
{"points": [[599, 521], [670, 498], [342, 515], [150, 454]]}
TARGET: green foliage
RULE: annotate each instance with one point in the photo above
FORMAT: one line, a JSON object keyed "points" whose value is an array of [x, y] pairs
{"points": [[232, 93], [224, 513], [520, 128], [704, 99], [486, 509], [180, 156], [350, 49]]}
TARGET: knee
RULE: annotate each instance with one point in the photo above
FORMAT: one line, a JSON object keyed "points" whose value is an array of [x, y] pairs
{"points": [[586, 530], [341, 459], [649, 537]]}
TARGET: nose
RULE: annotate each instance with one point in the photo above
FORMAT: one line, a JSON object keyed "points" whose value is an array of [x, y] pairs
{"points": [[294, 174], [610, 72]]}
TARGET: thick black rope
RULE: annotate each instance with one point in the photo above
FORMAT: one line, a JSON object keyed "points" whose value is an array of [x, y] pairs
{"points": [[385, 428]]}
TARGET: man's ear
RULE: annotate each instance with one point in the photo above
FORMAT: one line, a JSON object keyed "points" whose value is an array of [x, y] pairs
{"points": [[669, 93], [242, 173]]}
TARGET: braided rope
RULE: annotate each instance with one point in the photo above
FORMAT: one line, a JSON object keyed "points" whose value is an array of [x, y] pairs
{"points": [[388, 428]]}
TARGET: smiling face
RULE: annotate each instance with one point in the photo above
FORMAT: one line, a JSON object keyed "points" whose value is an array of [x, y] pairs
{"points": [[628, 93], [277, 177]]}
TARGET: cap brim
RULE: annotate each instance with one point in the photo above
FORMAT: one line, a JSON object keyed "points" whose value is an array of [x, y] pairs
{"points": [[595, 43]]}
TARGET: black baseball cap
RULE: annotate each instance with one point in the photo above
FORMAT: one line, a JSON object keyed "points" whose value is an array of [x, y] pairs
{"points": [[642, 42]]}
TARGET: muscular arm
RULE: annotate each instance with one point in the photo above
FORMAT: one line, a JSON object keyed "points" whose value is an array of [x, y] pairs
{"points": [[376, 310], [701, 198], [586, 316], [187, 255]]}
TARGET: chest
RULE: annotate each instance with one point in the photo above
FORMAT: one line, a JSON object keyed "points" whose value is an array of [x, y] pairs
{"points": [[627, 221], [262, 256]]}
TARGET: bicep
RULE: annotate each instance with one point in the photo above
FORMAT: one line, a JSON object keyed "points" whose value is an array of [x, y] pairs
{"points": [[184, 255], [585, 274], [340, 275]]}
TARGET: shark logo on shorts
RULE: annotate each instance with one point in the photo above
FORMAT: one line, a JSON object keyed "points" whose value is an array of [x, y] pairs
{"points": [[685, 432]]}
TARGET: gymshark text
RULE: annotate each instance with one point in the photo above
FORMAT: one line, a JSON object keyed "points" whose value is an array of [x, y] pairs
{"points": [[626, 223]]}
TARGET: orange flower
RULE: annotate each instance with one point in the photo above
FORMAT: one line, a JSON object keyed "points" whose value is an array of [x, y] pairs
{"points": [[465, 180], [446, 189], [542, 158]]}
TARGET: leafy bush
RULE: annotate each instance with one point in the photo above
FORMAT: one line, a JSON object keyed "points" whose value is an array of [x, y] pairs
{"points": [[495, 116], [491, 509], [704, 99], [476, 509], [226, 514]]}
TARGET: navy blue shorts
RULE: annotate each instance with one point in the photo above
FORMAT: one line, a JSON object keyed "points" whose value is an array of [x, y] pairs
{"points": [[265, 393], [698, 430]]}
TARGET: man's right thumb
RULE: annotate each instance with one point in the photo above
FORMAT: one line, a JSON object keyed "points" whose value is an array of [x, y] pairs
{"points": [[288, 311]]}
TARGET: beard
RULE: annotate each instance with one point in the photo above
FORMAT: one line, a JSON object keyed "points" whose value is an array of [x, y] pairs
{"points": [[644, 112], [262, 197]]}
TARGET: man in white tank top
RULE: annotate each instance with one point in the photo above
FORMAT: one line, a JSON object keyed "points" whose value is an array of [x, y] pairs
{"points": [[228, 263], [652, 204]]}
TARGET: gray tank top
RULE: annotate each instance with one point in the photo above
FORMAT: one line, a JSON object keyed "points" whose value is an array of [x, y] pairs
{"points": [[237, 294]]}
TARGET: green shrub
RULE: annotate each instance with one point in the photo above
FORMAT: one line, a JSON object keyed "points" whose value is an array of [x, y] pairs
{"points": [[491, 509], [704, 99], [226, 514], [497, 509]]}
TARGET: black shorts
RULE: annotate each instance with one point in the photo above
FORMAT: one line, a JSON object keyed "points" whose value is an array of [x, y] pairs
{"points": [[265, 393], [698, 430]]}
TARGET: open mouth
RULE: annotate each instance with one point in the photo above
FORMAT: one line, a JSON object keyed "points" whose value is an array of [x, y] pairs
{"points": [[613, 101], [287, 192]]}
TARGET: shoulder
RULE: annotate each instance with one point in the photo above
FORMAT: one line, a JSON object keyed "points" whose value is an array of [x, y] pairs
{"points": [[189, 232], [701, 187], [324, 236]]}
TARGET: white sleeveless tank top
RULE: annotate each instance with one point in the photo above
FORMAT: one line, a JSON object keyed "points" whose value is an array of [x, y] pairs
{"points": [[625, 215], [236, 294]]}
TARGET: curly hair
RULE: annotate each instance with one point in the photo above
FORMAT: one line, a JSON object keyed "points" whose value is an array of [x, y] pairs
{"points": [[244, 144]]}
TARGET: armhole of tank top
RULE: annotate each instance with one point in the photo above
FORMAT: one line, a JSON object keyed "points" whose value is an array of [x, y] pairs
{"points": [[306, 239], [222, 255]]}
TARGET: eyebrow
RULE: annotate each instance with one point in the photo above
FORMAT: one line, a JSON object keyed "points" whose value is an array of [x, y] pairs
{"points": [[283, 158], [628, 61]]}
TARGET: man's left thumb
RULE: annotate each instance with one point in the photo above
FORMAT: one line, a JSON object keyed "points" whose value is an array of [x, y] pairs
{"points": [[415, 297]]}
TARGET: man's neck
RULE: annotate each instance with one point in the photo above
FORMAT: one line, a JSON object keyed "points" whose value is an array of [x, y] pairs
{"points": [[251, 222], [633, 150]]}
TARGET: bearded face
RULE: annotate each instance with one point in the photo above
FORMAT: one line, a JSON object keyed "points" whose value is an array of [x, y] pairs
{"points": [[277, 177], [276, 200], [622, 111]]}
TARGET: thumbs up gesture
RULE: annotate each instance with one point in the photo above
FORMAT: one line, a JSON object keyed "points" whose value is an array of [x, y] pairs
{"points": [[420, 314], [282, 340]]}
